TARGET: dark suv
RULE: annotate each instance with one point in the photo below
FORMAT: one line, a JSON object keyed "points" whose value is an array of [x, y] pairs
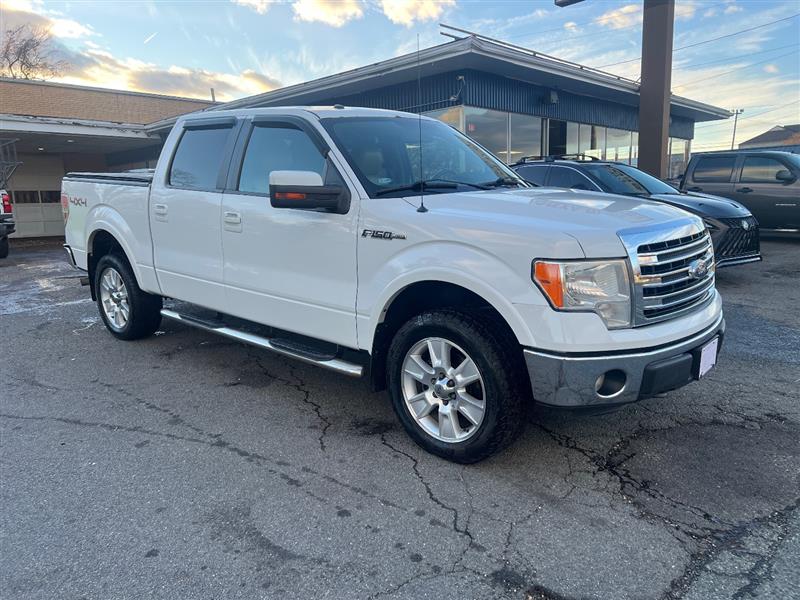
{"points": [[734, 230], [766, 182]]}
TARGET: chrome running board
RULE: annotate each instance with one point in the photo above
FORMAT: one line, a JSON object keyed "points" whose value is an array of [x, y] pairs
{"points": [[334, 364]]}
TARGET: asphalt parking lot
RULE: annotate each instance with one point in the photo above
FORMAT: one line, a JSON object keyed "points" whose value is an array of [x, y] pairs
{"points": [[186, 466]]}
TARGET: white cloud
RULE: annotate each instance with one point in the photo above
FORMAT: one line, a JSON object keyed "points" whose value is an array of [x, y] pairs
{"points": [[571, 26], [260, 6], [770, 68], [405, 12], [67, 28], [631, 15], [335, 14], [732, 8]]}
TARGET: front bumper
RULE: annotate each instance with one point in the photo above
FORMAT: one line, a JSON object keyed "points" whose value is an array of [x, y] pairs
{"points": [[570, 380]]}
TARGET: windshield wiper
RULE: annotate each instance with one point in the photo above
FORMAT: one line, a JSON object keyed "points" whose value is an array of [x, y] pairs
{"points": [[429, 184], [501, 182]]}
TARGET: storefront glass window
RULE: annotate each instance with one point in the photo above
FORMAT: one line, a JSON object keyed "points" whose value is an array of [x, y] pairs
{"points": [[592, 141], [526, 136], [453, 116], [618, 145], [572, 138], [489, 128], [634, 148], [678, 157]]}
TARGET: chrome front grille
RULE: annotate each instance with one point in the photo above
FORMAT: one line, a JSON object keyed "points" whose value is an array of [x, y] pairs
{"points": [[673, 274]]}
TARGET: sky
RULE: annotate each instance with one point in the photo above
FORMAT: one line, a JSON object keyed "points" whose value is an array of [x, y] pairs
{"points": [[243, 47]]}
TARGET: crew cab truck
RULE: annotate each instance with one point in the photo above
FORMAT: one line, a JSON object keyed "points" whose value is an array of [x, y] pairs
{"points": [[389, 245]]}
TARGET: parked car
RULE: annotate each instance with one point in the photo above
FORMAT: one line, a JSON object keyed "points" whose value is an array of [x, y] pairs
{"points": [[6, 222], [389, 245], [767, 182], [733, 228]]}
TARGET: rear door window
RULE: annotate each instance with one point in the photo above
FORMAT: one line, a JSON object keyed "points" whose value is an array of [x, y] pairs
{"points": [[761, 169], [198, 159], [534, 173], [714, 168], [564, 177]]}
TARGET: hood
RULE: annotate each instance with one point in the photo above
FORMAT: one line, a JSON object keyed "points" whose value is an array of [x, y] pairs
{"points": [[594, 219], [704, 205]]}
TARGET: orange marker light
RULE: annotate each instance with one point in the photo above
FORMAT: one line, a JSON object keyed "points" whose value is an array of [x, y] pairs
{"points": [[548, 276], [290, 196]]}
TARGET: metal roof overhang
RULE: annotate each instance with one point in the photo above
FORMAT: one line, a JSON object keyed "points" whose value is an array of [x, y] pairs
{"points": [[468, 53], [73, 135]]}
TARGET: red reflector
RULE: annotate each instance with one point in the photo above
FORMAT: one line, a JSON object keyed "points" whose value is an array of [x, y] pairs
{"points": [[290, 196], [6, 203]]}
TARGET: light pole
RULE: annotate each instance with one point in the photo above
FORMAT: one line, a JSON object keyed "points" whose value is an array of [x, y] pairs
{"points": [[736, 113]]}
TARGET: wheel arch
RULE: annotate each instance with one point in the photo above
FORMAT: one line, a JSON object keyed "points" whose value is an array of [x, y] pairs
{"points": [[429, 294], [101, 242]]}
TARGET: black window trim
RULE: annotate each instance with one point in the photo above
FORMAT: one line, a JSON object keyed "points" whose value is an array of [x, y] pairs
{"points": [[231, 123], [541, 166]]}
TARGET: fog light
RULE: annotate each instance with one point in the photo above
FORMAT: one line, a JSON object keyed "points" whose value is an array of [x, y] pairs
{"points": [[610, 383]]}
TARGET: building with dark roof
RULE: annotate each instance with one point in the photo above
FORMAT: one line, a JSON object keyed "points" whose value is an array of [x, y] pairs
{"points": [[780, 137]]}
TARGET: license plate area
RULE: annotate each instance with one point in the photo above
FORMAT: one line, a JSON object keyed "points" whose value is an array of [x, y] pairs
{"points": [[706, 357]]}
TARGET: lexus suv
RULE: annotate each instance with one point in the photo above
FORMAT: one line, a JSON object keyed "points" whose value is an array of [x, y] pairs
{"points": [[734, 230]]}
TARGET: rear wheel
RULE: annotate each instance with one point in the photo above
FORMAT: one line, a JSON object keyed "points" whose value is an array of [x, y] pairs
{"points": [[456, 385], [127, 311], [4, 247]]}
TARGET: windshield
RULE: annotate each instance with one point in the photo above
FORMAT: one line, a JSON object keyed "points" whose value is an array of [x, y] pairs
{"points": [[385, 155], [622, 179]]}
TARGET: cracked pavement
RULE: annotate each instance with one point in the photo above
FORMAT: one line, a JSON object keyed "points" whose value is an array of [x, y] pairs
{"points": [[187, 466]]}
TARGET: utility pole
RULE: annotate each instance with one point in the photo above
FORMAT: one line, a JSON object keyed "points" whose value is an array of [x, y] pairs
{"points": [[736, 114], [654, 93], [658, 20]]}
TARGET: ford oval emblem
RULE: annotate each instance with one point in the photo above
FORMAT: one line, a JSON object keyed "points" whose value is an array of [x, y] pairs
{"points": [[698, 269]]}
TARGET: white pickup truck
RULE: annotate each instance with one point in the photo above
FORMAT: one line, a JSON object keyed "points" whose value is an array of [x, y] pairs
{"points": [[383, 244]]}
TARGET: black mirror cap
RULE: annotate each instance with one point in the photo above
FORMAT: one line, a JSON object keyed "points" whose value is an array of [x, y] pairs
{"points": [[332, 198], [785, 176]]}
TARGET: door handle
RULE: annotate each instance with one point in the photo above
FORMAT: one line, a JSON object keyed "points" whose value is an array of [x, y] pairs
{"points": [[745, 190], [232, 217], [160, 209], [695, 189]]}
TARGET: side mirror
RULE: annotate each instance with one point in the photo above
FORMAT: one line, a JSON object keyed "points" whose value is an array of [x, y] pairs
{"points": [[305, 190], [785, 176]]}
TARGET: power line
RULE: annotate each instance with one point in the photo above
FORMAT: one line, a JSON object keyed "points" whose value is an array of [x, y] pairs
{"points": [[755, 64], [705, 127], [730, 58], [624, 62]]}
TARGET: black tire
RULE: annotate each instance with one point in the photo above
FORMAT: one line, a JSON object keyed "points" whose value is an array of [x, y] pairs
{"points": [[499, 360], [144, 309], [4, 247]]}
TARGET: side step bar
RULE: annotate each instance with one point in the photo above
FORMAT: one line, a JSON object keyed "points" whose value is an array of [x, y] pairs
{"points": [[334, 364]]}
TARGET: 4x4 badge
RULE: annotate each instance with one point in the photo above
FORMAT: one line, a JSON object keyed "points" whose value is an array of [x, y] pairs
{"points": [[382, 235]]}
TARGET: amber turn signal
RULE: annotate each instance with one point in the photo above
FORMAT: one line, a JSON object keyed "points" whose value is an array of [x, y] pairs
{"points": [[548, 276]]}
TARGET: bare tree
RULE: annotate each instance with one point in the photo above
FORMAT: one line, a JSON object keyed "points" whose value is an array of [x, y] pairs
{"points": [[28, 52]]}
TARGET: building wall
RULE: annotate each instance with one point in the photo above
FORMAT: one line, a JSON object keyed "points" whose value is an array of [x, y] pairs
{"points": [[56, 100], [486, 90]]}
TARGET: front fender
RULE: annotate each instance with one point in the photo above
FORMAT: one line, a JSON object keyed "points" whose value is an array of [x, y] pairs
{"points": [[469, 267]]}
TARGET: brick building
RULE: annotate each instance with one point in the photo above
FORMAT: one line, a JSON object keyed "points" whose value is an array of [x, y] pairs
{"points": [[61, 128]]}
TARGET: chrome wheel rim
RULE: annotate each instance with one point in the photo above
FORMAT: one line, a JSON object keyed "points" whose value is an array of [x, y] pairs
{"points": [[443, 390], [114, 298]]}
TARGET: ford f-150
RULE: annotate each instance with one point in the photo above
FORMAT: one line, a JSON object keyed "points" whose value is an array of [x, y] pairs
{"points": [[389, 245]]}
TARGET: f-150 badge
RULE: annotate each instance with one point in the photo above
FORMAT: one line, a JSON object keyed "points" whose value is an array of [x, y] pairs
{"points": [[383, 235]]}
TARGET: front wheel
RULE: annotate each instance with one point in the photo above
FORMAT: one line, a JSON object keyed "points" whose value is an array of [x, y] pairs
{"points": [[127, 311], [456, 385]]}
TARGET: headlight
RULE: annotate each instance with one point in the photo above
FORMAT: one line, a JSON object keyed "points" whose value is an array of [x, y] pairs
{"points": [[602, 287]]}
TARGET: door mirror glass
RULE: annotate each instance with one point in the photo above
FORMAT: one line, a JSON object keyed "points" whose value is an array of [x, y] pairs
{"points": [[305, 190], [785, 176]]}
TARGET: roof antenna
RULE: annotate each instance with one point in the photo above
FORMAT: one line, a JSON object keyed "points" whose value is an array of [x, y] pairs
{"points": [[421, 207]]}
